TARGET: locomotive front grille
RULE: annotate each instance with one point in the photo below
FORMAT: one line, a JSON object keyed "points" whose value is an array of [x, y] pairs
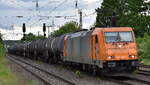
{"points": [[122, 63], [111, 64]]}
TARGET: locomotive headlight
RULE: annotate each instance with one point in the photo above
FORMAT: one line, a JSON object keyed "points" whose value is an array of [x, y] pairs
{"points": [[119, 46], [132, 56], [110, 57]]}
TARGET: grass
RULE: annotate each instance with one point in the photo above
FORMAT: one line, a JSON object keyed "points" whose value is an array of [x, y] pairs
{"points": [[30, 83], [2, 49], [39, 62], [78, 74], [7, 77], [146, 61]]}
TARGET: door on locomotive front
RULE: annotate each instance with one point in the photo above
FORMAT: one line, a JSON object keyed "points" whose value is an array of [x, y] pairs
{"points": [[95, 49]]}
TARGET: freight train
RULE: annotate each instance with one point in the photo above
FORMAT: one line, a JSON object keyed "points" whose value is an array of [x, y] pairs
{"points": [[105, 50]]}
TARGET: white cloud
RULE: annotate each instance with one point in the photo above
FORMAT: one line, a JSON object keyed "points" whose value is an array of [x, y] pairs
{"points": [[13, 8], [16, 33]]}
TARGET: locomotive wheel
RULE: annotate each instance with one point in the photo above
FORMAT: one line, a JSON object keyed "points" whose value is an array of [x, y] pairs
{"points": [[94, 71], [83, 67], [24, 54]]}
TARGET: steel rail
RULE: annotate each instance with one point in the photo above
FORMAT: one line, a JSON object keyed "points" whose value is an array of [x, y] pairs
{"points": [[45, 71], [33, 73]]}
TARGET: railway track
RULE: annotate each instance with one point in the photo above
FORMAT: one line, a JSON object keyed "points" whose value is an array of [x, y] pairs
{"points": [[116, 80], [122, 80], [145, 66], [45, 76], [144, 70], [127, 80], [139, 80], [133, 79]]}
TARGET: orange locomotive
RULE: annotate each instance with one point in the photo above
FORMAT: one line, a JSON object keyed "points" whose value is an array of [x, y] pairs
{"points": [[105, 49]]}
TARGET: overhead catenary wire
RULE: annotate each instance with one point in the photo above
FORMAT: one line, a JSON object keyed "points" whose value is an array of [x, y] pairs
{"points": [[43, 6], [38, 8], [18, 16], [29, 17], [65, 17], [51, 11], [87, 15], [76, 5], [20, 5], [59, 5]]}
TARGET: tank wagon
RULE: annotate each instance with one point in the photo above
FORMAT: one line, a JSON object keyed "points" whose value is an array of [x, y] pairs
{"points": [[101, 49]]}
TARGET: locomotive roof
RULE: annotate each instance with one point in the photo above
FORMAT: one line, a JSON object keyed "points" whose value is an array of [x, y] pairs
{"points": [[77, 34], [111, 29], [98, 29]]}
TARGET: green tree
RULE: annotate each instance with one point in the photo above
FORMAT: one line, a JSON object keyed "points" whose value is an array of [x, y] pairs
{"points": [[30, 37], [66, 28], [143, 46], [124, 13], [2, 48], [0, 37]]}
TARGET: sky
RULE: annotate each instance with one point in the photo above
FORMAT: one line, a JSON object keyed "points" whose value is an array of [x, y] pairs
{"points": [[15, 12]]}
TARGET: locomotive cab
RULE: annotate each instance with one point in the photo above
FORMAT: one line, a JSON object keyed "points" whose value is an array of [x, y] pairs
{"points": [[115, 48]]}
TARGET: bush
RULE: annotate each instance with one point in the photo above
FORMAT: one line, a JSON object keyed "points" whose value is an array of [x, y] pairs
{"points": [[30, 37], [144, 46], [68, 27], [2, 49], [78, 74]]}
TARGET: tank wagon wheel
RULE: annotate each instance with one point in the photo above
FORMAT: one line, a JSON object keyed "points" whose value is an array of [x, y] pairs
{"points": [[60, 61], [54, 59], [49, 59], [83, 67], [41, 57], [46, 56], [80, 66], [35, 58], [28, 54], [24, 54]]}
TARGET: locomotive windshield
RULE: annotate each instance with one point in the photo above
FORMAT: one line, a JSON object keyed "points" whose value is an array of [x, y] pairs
{"points": [[118, 37]]}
